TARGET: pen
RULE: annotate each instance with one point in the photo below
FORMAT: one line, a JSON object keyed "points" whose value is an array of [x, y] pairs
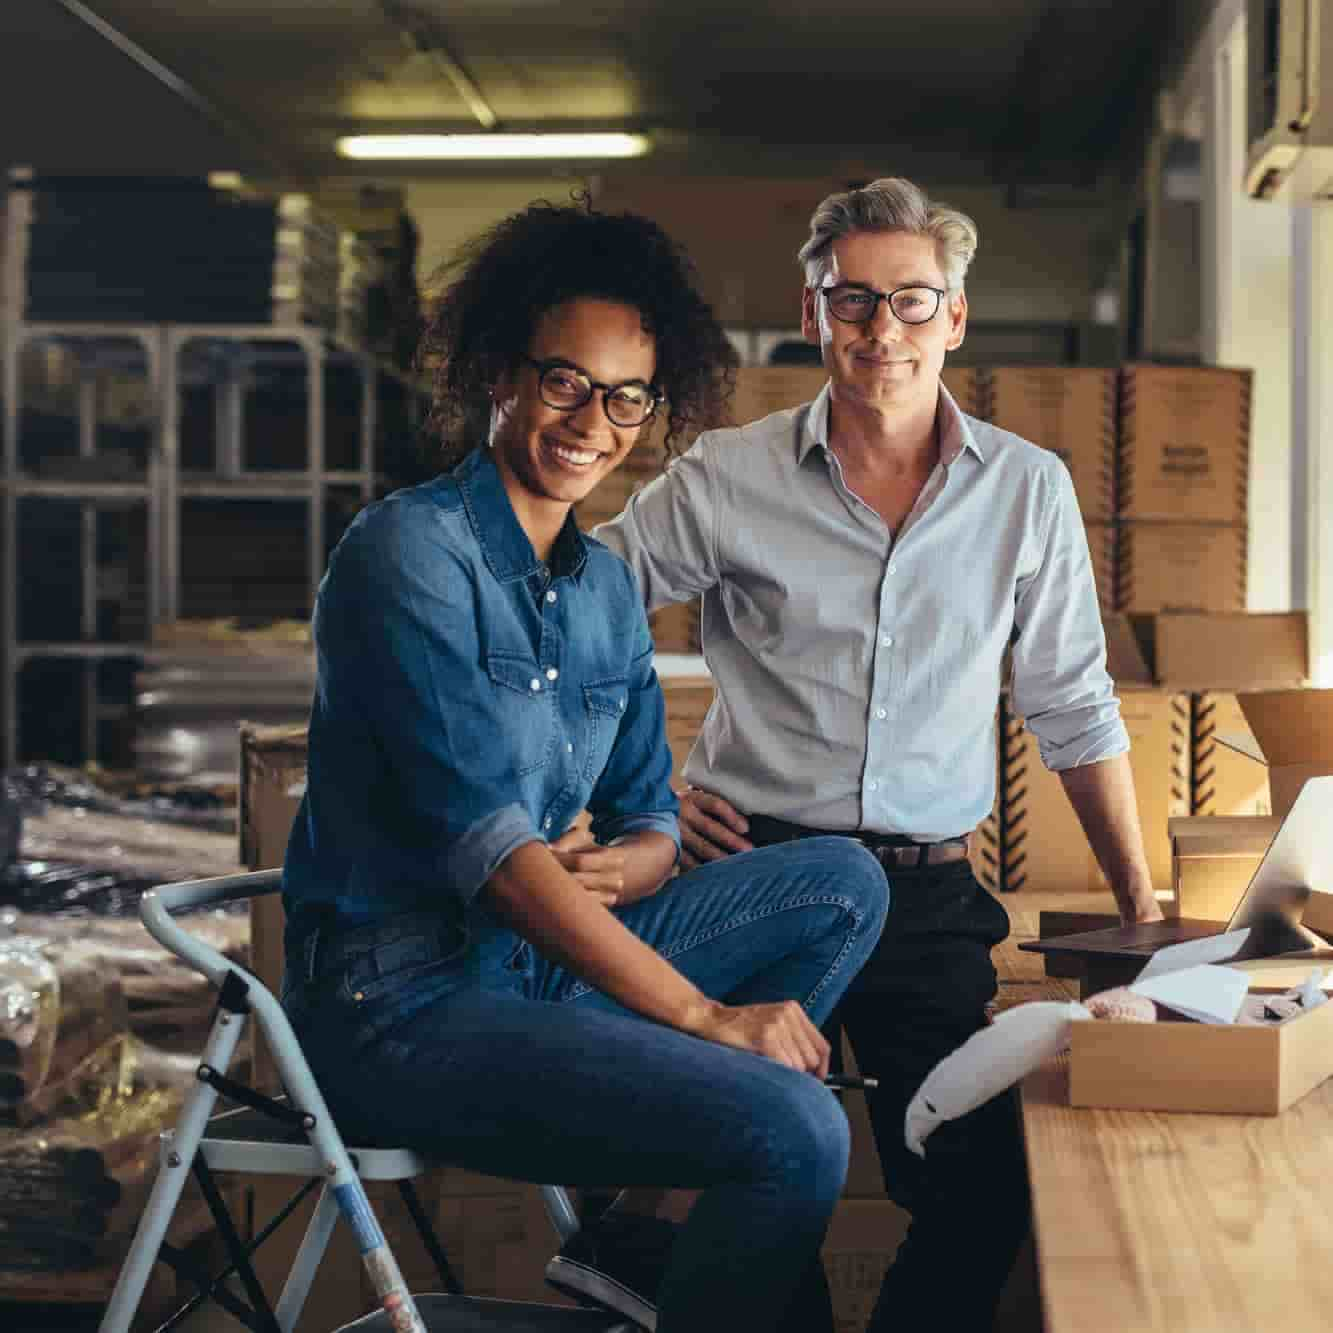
{"points": [[846, 1081]]}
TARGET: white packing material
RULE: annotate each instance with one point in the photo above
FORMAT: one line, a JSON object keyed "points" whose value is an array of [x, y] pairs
{"points": [[1020, 1040]]}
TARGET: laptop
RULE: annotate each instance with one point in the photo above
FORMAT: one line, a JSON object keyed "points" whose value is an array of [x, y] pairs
{"points": [[1298, 862]]}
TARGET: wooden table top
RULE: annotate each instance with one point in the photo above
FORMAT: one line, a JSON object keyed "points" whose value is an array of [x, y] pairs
{"points": [[1148, 1222], [1175, 1223]]}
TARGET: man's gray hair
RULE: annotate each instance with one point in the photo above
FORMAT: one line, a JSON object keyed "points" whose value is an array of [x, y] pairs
{"points": [[890, 204]]}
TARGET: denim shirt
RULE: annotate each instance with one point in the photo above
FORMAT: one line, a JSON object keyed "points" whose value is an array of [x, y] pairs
{"points": [[469, 700]]}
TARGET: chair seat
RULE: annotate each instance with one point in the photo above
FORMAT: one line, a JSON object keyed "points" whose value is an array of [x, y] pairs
{"points": [[476, 1314], [248, 1140]]}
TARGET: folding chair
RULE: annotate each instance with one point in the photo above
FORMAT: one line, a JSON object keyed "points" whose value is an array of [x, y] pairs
{"points": [[294, 1135]]}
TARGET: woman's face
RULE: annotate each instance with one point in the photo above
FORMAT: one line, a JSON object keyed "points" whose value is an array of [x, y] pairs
{"points": [[561, 454]]}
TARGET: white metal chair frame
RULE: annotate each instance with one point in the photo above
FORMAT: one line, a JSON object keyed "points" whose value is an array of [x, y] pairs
{"points": [[263, 1138]]}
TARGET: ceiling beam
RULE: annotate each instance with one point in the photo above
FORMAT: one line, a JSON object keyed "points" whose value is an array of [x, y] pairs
{"points": [[229, 123], [422, 36]]}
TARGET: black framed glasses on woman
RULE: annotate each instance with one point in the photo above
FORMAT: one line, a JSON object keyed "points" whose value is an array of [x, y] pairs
{"points": [[566, 387], [854, 304]]}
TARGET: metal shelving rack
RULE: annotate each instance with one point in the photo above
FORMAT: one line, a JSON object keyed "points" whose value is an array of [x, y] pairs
{"points": [[94, 345], [167, 485]]}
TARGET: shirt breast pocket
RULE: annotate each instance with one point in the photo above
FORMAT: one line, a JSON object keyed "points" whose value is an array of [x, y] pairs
{"points": [[605, 702], [524, 710]]}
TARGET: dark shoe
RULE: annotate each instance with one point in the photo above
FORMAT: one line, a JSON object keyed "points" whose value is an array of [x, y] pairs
{"points": [[616, 1263]]}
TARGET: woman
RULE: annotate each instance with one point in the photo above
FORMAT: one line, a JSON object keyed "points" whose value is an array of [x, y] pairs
{"points": [[465, 975]]}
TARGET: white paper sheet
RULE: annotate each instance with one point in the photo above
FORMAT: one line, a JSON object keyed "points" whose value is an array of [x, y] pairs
{"points": [[1214, 949], [1207, 993]]}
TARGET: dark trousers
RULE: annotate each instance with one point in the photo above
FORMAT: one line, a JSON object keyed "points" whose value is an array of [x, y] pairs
{"points": [[920, 996]]}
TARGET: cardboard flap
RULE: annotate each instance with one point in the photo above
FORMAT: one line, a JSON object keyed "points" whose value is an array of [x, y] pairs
{"points": [[1291, 726], [1126, 658], [1221, 835], [1231, 650], [1242, 744]]}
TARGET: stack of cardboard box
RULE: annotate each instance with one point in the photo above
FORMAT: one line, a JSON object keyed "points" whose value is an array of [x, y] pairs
{"points": [[1182, 488], [1070, 410]]}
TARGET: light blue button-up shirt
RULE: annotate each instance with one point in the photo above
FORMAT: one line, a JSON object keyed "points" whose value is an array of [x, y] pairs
{"points": [[858, 670]]}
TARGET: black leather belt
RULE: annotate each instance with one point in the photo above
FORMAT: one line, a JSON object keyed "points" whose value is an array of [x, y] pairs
{"points": [[893, 851]]}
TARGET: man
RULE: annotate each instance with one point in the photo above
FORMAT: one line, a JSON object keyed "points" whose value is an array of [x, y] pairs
{"points": [[864, 562]]}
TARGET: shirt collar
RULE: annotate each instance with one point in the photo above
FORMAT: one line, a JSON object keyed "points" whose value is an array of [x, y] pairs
{"points": [[955, 434], [505, 546]]}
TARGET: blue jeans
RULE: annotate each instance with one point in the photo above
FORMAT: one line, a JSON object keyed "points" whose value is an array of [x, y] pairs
{"points": [[468, 1046]]}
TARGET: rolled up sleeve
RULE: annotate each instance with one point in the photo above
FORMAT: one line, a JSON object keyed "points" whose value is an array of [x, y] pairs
{"points": [[397, 633], [1061, 686], [634, 793]]}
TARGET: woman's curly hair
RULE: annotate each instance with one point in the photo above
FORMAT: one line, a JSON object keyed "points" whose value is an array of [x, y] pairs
{"points": [[499, 286]]}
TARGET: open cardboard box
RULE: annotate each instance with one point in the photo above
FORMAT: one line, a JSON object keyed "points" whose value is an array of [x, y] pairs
{"points": [[1217, 650], [1218, 1066], [1293, 737], [1213, 858], [1185, 1066]]}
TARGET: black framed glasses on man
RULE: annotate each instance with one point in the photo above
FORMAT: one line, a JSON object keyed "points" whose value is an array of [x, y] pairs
{"points": [[566, 387], [854, 303]]}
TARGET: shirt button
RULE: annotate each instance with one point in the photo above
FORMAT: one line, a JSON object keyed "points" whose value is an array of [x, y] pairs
{"points": [[534, 684], [570, 747], [551, 673], [887, 641], [620, 704], [550, 594], [893, 569], [881, 714], [546, 823], [872, 785]]}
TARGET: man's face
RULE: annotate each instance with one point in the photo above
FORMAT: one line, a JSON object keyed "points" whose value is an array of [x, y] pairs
{"points": [[884, 362]]}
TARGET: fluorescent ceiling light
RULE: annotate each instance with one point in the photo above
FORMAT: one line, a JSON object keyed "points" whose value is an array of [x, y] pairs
{"points": [[478, 147]]}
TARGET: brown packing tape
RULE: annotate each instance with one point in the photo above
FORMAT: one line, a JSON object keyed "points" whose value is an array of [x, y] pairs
{"points": [[1041, 844], [1223, 782]]}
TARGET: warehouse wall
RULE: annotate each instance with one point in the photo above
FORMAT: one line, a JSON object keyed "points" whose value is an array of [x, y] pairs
{"points": [[1034, 264], [450, 212]]}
